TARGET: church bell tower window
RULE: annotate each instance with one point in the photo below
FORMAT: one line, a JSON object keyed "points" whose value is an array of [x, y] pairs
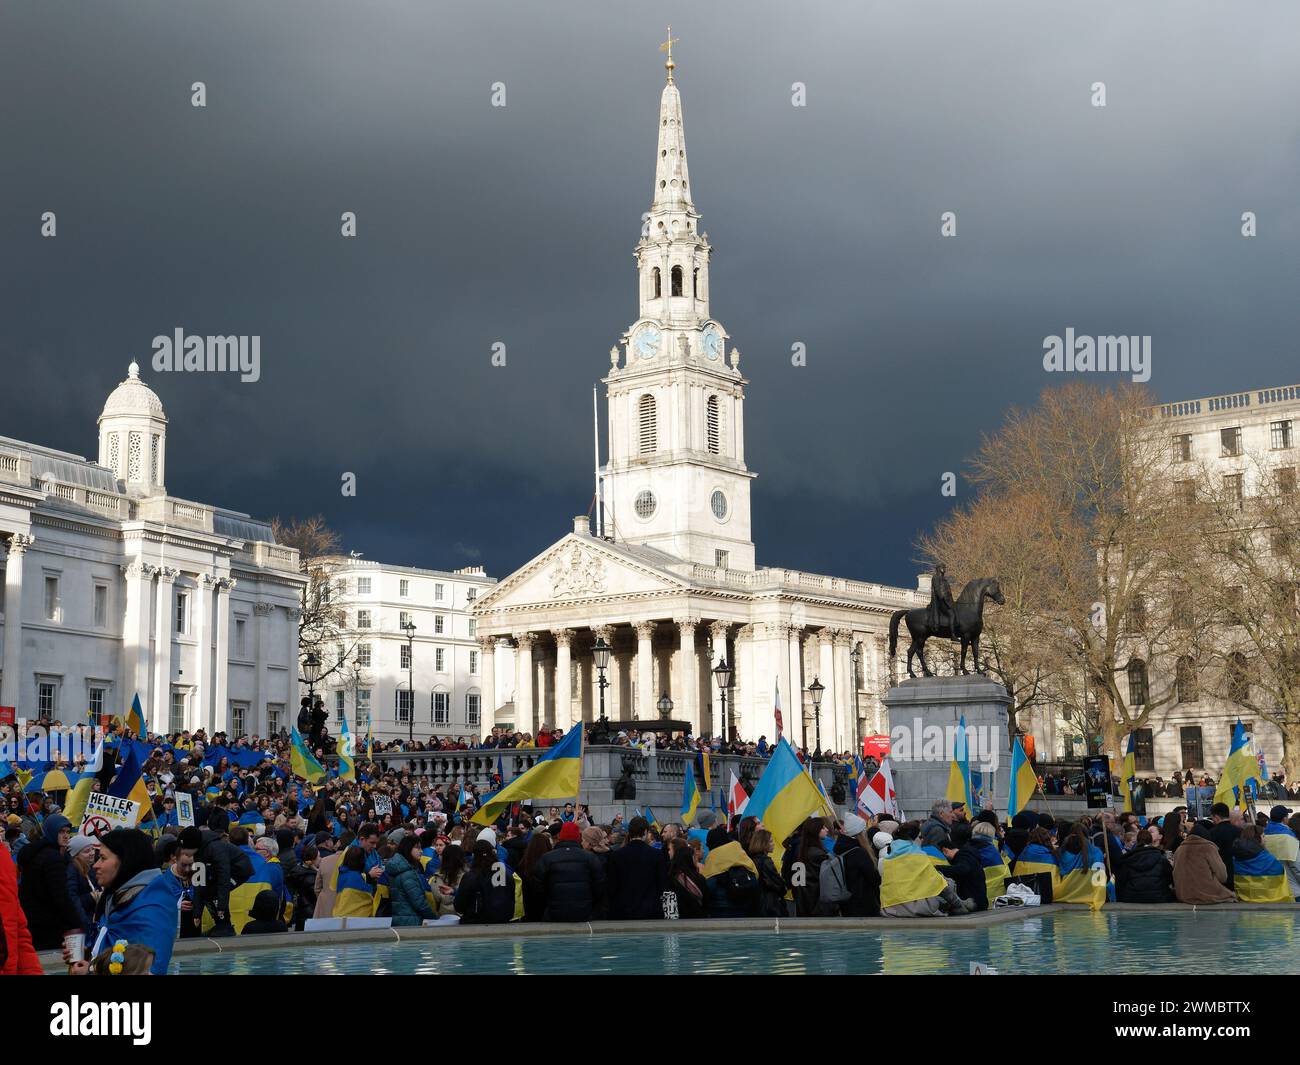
{"points": [[647, 442], [677, 280], [713, 427], [658, 290]]}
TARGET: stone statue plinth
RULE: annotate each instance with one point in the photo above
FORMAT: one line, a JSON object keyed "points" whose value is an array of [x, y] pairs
{"points": [[923, 718]]}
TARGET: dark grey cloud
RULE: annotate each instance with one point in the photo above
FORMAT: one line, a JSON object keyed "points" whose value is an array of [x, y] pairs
{"points": [[516, 225]]}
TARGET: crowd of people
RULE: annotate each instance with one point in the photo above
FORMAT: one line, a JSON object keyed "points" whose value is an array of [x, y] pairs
{"points": [[1178, 786]]}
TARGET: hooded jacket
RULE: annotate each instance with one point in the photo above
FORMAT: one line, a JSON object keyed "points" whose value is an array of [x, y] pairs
{"points": [[637, 880], [1144, 874], [142, 911], [43, 889], [572, 880], [1199, 873], [861, 877], [17, 957], [222, 863], [406, 893]]}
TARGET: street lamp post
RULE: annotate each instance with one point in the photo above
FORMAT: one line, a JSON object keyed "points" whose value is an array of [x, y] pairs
{"points": [[665, 706], [722, 672], [815, 689], [409, 628], [601, 655], [856, 655], [311, 673]]}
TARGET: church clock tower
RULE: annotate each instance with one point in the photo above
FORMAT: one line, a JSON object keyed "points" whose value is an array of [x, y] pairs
{"points": [[676, 476]]}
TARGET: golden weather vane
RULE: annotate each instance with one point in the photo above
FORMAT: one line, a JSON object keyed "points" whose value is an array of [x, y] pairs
{"points": [[667, 46]]}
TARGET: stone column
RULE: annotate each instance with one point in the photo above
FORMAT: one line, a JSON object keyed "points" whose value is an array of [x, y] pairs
{"points": [[201, 711], [845, 688], [792, 697], [741, 698], [606, 633], [645, 671], [164, 611], [826, 642], [136, 638], [524, 682], [11, 683], [261, 686], [718, 630], [487, 700], [221, 672], [686, 697], [563, 679]]}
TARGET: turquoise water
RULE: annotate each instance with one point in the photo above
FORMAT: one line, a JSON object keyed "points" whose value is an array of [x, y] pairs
{"points": [[1247, 942]]}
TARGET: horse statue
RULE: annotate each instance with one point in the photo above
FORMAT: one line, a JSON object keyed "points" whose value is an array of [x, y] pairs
{"points": [[966, 625]]}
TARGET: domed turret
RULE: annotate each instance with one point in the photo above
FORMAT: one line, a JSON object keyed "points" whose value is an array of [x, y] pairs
{"points": [[133, 435]]}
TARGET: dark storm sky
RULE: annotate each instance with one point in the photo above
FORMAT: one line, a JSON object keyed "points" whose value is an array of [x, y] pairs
{"points": [[517, 225]]}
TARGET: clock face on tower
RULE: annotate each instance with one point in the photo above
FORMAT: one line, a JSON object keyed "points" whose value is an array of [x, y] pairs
{"points": [[647, 341], [713, 342]]}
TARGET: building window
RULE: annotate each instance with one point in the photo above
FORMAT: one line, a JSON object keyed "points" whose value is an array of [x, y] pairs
{"points": [[404, 588], [402, 704], [1137, 614], [363, 707], [644, 505], [99, 606], [439, 660], [658, 286], [363, 619], [363, 655], [1230, 442], [363, 586], [1279, 434], [176, 718], [720, 558], [114, 455], [1183, 610], [238, 720], [274, 718], [1286, 480], [403, 619], [1280, 542], [134, 457], [439, 623], [96, 701], [1185, 686], [1183, 447], [1144, 751], [182, 612], [473, 626], [1189, 738], [1232, 487], [440, 703], [47, 698], [437, 593], [718, 503], [713, 427], [473, 662], [1185, 493], [472, 709], [241, 638], [153, 459], [52, 608], [406, 657], [340, 704], [471, 594], [1137, 682], [677, 280], [1238, 678], [647, 438]]}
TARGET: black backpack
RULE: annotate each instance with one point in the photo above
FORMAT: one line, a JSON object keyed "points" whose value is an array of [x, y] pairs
{"points": [[741, 888]]}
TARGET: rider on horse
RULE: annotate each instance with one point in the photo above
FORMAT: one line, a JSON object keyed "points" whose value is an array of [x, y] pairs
{"points": [[940, 610]]}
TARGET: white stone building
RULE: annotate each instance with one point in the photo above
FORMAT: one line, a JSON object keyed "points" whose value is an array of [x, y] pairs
{"points": [[668, 577], [445, 660], [1233, 440], [113, 587]]}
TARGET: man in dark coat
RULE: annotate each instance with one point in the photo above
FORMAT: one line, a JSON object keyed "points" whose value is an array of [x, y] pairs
{"points": [[223, 863], [637, 877], [1144, 874], [572, 880], [939, 614], [43, 885], [860, 874], [965, 868], [1224, 834]]}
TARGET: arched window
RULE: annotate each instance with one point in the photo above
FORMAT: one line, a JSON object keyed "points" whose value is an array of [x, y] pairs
{"points": [[658, 290], [677, 280], [648, 435], [1238, 678], [695, 283], [1185, 680], [1137, 682], [713, 427]]}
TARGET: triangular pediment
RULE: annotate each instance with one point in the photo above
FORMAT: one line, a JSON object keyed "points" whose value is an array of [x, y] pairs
{"points": [[576, 569]]}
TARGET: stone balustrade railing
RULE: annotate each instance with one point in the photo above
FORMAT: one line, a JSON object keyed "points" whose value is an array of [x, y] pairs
{"points": [[1232, 401]]}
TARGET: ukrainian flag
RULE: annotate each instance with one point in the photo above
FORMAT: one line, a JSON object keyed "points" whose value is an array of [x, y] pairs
{"points": [[302, 763], [129, 782], [1023, 781], [1129, 775], [347, 756], [135, 718], [1081, 879], [556, 775], [937, 858], [1036, 858], [650, 817], [959, 789], [785, 795], [1260, 879], [1281, 842], [354, 894], [995, 869], [690, 796], [907, 875], [704, 770], [267, 876], [1241, 767]]}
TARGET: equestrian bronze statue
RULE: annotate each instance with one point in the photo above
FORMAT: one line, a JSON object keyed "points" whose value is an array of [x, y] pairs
{"points": [[961, 621]]}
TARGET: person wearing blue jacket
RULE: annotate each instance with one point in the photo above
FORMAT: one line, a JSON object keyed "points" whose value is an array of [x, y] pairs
{"points": [[136, 904]]}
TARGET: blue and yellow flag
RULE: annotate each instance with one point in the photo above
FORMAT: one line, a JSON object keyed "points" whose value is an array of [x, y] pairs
{"points": [[995, 867], [1260, 879], [907, 875], [129, 783], [460, 798], [354, 893], [1128, 776], [651, 819], [1082, 879], [135, 718], [370, 737], [959, 789], [556, 775], [690, 796], [267, 876], [1241, 767], [1036, 858], [785, 795], [347, 754], [302, 763], [1023, 780], [704, 770]]}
